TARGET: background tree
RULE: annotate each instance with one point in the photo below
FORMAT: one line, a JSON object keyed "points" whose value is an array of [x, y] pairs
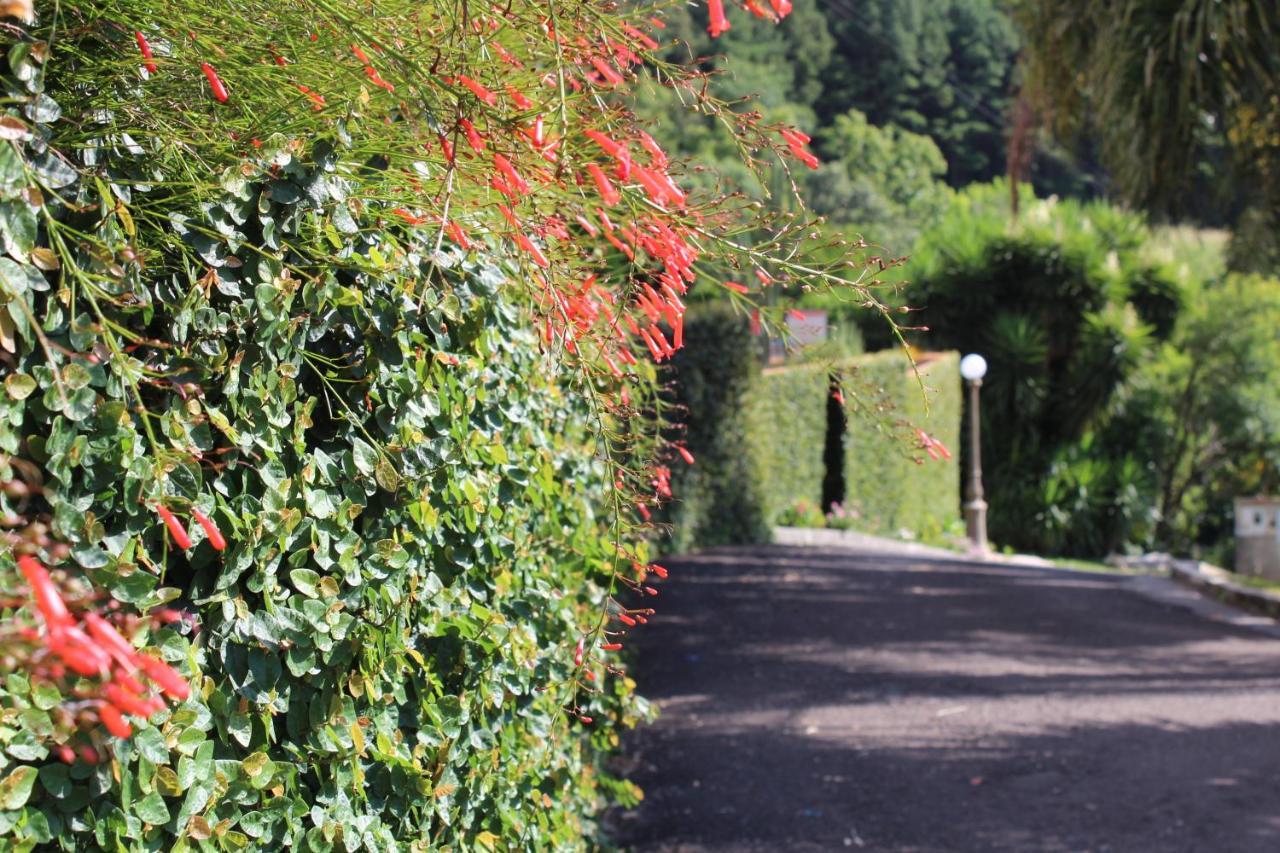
{"points": [[1167, 86]]}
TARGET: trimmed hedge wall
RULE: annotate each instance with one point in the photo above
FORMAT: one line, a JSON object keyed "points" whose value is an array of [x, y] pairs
{"points": [[787, 434], [886, 481], [761, 436], [718, 501]]}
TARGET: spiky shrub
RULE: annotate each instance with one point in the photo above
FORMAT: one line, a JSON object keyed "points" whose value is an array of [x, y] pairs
{"points": [[373, 297]]}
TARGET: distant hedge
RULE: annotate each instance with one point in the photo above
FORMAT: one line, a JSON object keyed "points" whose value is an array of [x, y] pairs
{"points": [[719, 500], [787, 434], [886, 481], [760, 437]]}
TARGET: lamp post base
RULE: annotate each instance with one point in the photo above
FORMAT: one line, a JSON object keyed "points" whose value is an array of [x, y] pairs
{"points": [[975, 522]]}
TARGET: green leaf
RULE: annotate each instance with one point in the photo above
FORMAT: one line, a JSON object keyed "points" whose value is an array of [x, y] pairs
{"points": [[152, 809], [19, 385], [304, 581], [16, 788]]}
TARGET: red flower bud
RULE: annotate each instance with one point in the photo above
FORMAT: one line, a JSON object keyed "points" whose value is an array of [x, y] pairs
{"points": [[211, 530], [65, 754], [126, 701], [48, 599], [176, 530], [660, 571], [611, 647], [166, 677], [114, 720], [145, 48], [215, 85], [685, 455], [110, 639]]}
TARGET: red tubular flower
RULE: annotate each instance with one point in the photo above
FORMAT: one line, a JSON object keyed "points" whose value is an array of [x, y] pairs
{"points": [[478, 90], [717, 23], [608, 193], [215, 84], [509, 172], [360, 54], [145, 48], [626, 620], [518, 98], [607, 71], [454, 230], [586, 721], [166, 677], [211, 530], [678, 338], [66, 754], [474, 139], [317, 100], [110, 640], [126, 701], [610, 647], [532, 249], [577, 652], [735, 287], [114, 720], [48, 599], [660, 571], [781, 8], [176, 530], [407, 217]]}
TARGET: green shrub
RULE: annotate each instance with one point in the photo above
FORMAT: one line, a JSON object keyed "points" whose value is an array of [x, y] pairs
{"points": [[890, 485], [786, 435], [408, 486], [719, 500], [1064, 304]]}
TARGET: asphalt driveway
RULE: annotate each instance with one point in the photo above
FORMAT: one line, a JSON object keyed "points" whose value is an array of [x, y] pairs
{"points": [[823, 699]]}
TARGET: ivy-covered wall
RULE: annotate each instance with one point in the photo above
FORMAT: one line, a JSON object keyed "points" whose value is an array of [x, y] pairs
{"points": [[889, 481], [410, 495]]}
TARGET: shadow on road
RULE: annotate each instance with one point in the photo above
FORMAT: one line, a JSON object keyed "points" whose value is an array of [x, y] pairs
{"points": [[824, 700]]}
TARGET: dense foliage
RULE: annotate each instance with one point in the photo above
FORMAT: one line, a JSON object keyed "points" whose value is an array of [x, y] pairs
{"points": [[767, 437], [721, 497], [892, 482], [1180, 95], [787, 435], [1129, 396], [327, 341]]}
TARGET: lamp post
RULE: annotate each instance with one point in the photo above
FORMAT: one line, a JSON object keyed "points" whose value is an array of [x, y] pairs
{"points": [[973, 367]]}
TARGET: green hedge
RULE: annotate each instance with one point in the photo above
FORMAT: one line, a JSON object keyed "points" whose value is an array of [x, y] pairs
{"points": [[409, 491], [786, 411], [719, 500], [760, 438], [890, 484]]}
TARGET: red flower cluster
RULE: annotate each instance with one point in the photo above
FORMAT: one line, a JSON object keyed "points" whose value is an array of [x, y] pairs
{"points": [[91, 646], [936, 449]]}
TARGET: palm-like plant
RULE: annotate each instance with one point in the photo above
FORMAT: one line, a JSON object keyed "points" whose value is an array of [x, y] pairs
{"points": [[1158, 78]]}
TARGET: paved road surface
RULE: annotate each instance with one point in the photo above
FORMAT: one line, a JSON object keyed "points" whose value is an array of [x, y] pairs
{"points": [[817, 699]]}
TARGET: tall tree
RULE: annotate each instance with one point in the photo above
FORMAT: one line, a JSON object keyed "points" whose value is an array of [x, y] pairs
{"points": [[1164, 81], [942, 68]]}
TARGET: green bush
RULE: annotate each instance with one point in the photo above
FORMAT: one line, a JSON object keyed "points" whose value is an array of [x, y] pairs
{"points": [[1065, 305], [409, 489], [786, 435], [890, 485], [719, 500]]}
